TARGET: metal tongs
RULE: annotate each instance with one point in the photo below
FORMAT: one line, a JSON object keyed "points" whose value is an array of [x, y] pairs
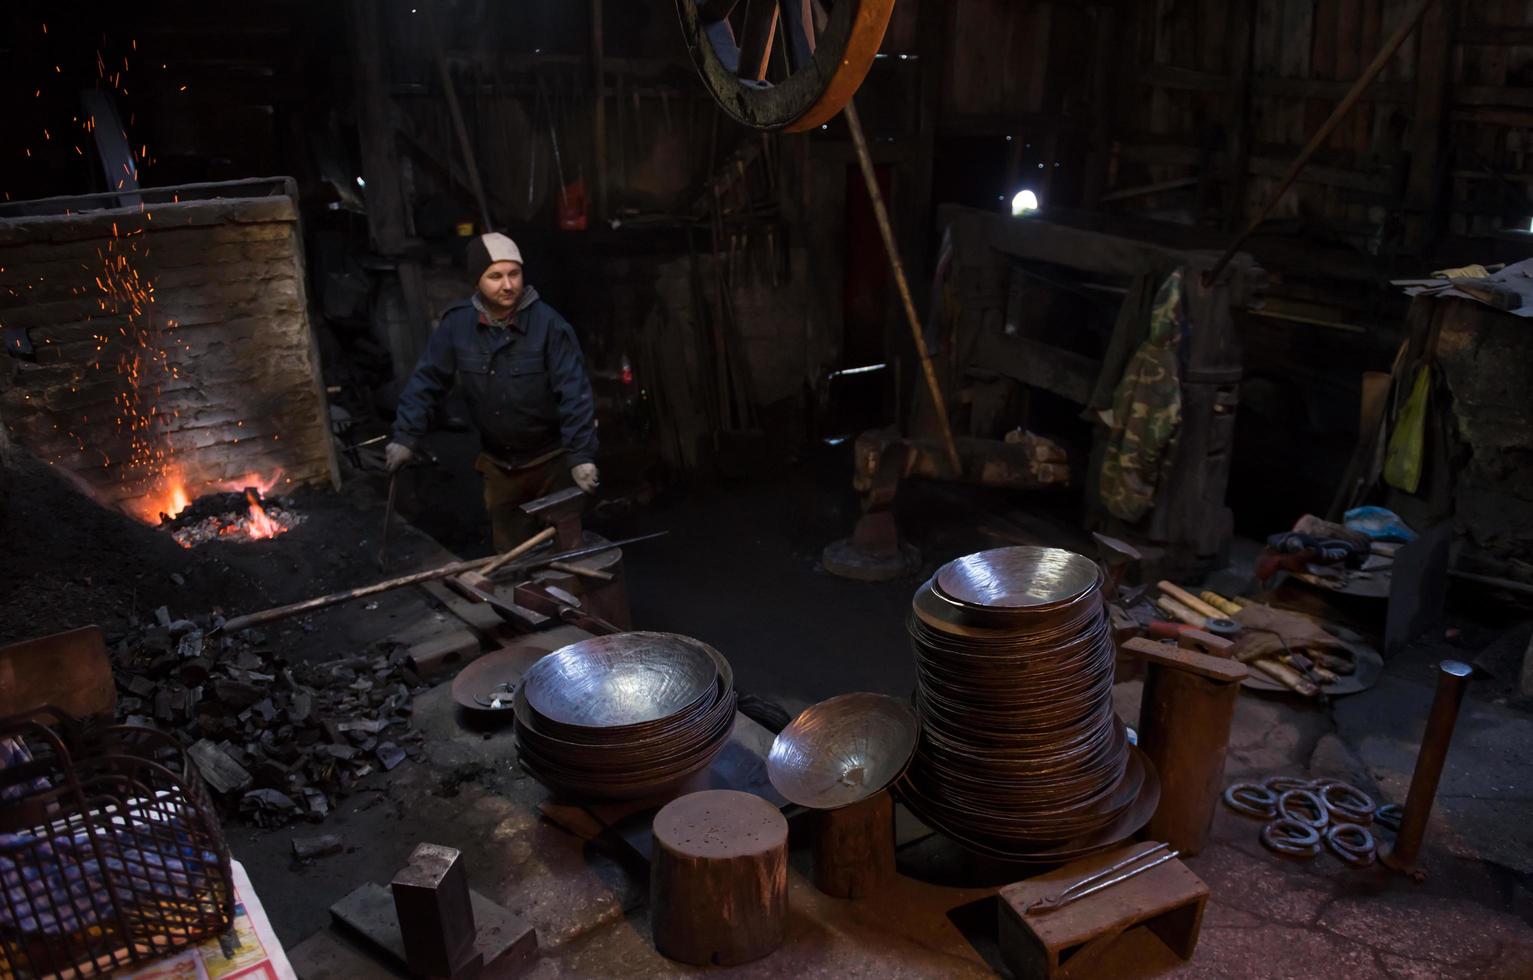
{"points": [[1094, 883]]}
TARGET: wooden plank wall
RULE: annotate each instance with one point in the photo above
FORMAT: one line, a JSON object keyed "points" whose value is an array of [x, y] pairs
{"points": [[1454, 137]]}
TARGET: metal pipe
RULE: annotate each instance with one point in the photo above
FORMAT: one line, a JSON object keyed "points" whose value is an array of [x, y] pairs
{"points": [[1380, 60], [881, 213], [1452, 682]]}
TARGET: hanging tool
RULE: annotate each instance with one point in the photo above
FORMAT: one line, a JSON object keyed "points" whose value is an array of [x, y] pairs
{"points": [[388, 520], [1079, 890]]}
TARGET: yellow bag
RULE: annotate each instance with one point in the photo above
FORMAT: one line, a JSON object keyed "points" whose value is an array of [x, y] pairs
{"points": [[1402, 463]]}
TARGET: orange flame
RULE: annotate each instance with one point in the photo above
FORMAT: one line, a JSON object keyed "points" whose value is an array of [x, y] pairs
{"points": [[260, 525]]}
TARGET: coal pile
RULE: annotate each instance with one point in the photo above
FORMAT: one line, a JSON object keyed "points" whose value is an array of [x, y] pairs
{"points": [[274, 741]]}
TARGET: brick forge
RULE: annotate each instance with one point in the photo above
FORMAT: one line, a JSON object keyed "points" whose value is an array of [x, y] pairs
{"points": [[171, 350]]}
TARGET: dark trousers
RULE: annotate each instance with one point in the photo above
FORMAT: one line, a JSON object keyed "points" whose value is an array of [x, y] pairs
{"points": [[506, 489]]}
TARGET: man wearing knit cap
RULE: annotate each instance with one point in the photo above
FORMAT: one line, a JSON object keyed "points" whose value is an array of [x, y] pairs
{"points": [[521, 370]]}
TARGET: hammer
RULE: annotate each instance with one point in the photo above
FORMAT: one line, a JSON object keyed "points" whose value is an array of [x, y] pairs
{"points": [[478, 579]]}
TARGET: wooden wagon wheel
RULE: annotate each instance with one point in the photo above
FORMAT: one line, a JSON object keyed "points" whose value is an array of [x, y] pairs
{"points": [[828, 52]]}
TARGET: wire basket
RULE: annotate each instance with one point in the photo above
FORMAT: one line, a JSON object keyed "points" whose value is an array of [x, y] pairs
{"points": [[110, 854]]}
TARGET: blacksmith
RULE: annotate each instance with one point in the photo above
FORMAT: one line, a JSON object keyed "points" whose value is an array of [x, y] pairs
{"points": [[524, 377]]}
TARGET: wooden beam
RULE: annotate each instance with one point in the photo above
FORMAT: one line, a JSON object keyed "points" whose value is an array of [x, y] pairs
{"points": [[599, 108], [1434, 68], [386, 212], [1237, 111]]}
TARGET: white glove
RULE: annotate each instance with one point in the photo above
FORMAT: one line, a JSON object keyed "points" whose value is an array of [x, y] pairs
{"points": [[396, 455], [586, 477]]}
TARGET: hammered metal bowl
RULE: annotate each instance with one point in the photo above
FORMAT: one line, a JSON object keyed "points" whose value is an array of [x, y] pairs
{"points": [[843, 750], [624, 681], [1016, 578], [642, 712]]}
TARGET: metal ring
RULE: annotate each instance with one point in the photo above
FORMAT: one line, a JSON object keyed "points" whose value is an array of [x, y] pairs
{"points": [[1358, 851], [1347, 804], [1282, 784], [1252, 799], [1291, 838], [1389, 815], [1308, 797]]}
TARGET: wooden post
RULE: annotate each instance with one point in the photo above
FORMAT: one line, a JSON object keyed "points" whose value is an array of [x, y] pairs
{"points": [[1434, 67], [599, 109], [455, 112], [854, 847], [388, 219], [719, 878], [1184, 728], [1237, 112]]}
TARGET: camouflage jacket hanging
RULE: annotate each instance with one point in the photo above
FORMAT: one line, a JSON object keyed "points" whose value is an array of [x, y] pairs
{"points": [[1146, 411]]}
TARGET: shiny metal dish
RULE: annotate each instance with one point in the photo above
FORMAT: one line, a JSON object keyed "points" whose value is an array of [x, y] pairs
{"points": [[1017, 578], [625, 680], [640, 759], [843, 750]]}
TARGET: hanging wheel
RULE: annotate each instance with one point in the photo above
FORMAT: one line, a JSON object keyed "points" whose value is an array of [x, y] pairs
{"points": [[783, 64]]}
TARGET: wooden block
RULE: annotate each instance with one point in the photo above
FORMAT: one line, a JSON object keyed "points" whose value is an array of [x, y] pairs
{"points": [[1168, 899], [479, 616], [449, 649], [719, 879], [854, 847], [69, 671]]}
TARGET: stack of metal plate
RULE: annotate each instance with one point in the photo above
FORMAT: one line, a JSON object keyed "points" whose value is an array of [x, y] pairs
{"points": [[624, 716], [1021, 756]]}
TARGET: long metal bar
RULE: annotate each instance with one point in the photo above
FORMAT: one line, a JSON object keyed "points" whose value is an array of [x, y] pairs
{"points": [[1452, 682], [881, 213], [1343, 107], [457, 567]]}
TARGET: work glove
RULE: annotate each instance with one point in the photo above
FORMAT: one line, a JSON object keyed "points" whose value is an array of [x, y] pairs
{"points": [[586, 477], [396, 455]]}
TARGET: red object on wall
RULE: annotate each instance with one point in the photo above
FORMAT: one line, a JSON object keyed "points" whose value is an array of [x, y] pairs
{"points": [[572, 206]]}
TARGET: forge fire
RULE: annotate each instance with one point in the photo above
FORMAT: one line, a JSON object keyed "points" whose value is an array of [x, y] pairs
{"points": [[476, 470]]}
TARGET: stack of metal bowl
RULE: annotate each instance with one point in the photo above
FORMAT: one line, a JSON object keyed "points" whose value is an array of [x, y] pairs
{"points": [[1021, 756], [624, 716]]}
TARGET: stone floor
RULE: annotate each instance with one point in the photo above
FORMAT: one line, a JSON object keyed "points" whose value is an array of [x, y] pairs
{"points": [[796, 636]]}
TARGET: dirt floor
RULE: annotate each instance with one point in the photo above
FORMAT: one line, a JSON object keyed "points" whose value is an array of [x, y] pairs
{"points": [[740, 570]]}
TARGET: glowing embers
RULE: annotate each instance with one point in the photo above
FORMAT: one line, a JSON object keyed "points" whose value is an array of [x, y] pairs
{"points": [[246, 515]]}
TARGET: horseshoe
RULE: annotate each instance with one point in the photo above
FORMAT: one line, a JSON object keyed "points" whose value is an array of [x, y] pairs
{"points": [[1291, 838], [1353, 844], [1347, 803], [1291, 801], [1252, 799]]}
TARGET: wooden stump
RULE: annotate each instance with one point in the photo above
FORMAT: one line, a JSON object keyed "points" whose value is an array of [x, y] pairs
{"points": [[719, 878], [854, 847]]}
